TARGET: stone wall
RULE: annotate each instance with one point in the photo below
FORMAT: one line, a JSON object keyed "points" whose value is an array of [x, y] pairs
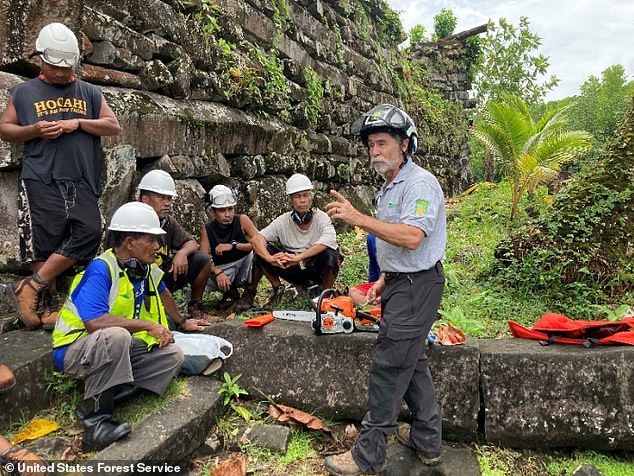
{"points": [[239, 92]]}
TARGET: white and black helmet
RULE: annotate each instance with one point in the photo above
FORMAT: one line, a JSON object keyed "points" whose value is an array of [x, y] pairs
{"points": [[386, 118]]}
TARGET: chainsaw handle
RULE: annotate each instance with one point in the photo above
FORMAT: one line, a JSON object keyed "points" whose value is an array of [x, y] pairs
{"points": [[365, 315], [317, 323]]}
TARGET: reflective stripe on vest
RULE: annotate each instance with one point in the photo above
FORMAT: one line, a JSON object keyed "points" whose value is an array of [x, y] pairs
{"points": [[121, 303]]}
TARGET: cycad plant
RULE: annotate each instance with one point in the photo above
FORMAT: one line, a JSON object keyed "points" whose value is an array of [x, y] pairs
{"points": [[527, 152]]}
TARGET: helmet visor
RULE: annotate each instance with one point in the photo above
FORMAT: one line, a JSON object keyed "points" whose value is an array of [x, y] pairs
{"points": [[223, 200], [63, 59], [382, 115]]}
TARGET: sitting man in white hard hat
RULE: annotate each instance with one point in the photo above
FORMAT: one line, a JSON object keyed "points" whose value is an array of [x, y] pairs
{"points": [[227, 239], [179, 256], [299, 246], [112, 331], [60, 119]]}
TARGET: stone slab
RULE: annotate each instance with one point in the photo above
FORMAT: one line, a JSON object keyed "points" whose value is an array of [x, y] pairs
{"points": [[557, 396], [328, 374], [29, 355]]}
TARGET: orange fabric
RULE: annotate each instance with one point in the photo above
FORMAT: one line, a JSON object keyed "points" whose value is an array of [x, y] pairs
{"points": [[563, 330]]}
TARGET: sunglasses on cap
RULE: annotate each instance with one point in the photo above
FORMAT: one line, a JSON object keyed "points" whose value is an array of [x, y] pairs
{"points": [[59, 58]]}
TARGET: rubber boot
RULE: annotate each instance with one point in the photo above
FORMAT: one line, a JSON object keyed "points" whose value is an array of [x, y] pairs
{"points": [[122, 393], [100, 430]]}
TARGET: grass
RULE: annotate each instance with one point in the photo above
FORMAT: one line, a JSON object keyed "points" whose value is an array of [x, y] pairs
{"points": [[496, 461]]}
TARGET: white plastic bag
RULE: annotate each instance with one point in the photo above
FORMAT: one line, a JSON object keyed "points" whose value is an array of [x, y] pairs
{"points": [[203, 344]]}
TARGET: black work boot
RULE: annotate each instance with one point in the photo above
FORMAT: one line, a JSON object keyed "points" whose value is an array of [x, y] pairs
{"points": [[100, 430], [122, 393]]}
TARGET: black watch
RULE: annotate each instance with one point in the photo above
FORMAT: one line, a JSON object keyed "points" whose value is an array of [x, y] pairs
{"points": [[234, 245]]}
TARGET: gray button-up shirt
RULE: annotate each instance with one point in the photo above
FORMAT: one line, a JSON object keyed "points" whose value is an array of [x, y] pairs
{"points": [[414, 198]]}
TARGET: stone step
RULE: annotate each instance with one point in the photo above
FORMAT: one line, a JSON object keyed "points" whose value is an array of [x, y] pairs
{"points": [[29, 355], [168, 435]]}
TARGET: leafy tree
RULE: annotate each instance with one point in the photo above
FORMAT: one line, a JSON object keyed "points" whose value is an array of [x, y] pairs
{"points": [[417, 35], [528, 152], [602, 102], [444, 24], [510, 64]]}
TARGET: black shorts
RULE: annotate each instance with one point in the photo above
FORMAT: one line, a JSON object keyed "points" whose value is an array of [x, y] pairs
{"points": [[313, 272], [59, 217], [195, 264]]}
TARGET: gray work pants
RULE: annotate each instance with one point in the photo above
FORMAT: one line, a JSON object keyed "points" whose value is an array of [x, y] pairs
{"points": [[110, 357], [400, 369]]}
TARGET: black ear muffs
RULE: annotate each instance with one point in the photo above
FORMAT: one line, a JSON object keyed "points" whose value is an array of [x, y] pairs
{"points": [[135, 269], [302, 219]]}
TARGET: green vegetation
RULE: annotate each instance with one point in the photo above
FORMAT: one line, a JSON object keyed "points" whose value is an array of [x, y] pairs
{"points": [[576, 252], [230, 388], [444, 24], [206, 17], [315, 90], [510, 64], [529, 153], [501, 462], [417, 35], [391, 31], [65, 394]]}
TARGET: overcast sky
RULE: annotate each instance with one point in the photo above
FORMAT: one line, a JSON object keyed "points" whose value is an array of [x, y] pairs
{"points": [[580, 37]]}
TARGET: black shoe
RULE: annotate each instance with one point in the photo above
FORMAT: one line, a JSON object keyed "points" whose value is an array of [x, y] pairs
{"points": [[246, 300], [100, 432], [228, 299]]}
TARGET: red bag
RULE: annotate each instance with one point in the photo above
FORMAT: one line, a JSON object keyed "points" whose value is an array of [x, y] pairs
{"points": [[559, 329]]}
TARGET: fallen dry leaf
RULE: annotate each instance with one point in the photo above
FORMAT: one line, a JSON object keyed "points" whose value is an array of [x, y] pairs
{"points": [[35, 429], [236, 466], [296, 417], [351, 432]]}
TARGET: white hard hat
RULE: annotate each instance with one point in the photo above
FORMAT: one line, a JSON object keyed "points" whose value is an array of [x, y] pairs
{"points": [[136, 217], [57, 45], [158, 181], [298, 183], [221, 196]]}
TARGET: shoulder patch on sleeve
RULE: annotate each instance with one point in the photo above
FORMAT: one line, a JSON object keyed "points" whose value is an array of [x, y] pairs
{"points": [[420, 207]]}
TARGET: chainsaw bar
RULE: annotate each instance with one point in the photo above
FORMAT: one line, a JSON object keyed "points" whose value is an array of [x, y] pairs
{"points": [[298, 316]]}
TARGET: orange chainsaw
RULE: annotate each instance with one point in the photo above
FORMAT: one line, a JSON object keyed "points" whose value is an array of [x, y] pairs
{"points": [[336, 314]]}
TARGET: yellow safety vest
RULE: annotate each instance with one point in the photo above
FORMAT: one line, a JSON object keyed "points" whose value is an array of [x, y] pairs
{"points": [[121, 302]]}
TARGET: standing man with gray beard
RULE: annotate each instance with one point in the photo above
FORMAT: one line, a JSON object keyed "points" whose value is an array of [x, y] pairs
{"points": [[410, 227]]}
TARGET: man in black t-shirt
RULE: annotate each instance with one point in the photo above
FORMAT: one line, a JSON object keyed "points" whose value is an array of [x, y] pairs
{"points": [[226, 238], [179, 257], [60, 119]]}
